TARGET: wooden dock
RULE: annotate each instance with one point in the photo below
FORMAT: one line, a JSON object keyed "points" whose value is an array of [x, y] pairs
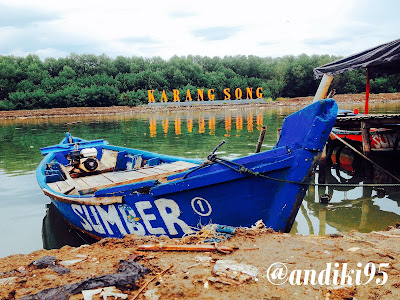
{"points": [[372, 120], [353, 125], [365, 122]]}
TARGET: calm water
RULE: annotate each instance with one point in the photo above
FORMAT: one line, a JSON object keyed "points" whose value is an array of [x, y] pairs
{"points": [[189, 134]]}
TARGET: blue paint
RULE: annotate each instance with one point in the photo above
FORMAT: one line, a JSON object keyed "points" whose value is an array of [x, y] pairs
{"points": [[153, 161], [67, 147], [214, 193], [125, 189], [225, 229], [121, 161]]}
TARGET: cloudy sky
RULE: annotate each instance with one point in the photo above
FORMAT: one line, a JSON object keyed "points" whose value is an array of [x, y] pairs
{"points": [[54, 28]]}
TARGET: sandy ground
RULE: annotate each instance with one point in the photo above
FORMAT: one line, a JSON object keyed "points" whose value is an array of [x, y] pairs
{"points": [[77, 111], [202, 275]]}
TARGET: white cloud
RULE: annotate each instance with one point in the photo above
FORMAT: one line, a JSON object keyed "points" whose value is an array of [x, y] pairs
{"points": [[207, 28]]}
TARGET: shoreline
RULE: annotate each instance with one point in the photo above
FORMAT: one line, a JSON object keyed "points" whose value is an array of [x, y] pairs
{"points": [[194, 274], [356, 99]]}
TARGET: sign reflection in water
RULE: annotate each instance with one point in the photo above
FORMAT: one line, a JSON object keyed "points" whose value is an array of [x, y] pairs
{"points": [[190, 134], [201, 122]]}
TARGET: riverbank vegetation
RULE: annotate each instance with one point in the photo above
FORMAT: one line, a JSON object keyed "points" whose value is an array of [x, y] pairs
{"points": [[90, 80]]}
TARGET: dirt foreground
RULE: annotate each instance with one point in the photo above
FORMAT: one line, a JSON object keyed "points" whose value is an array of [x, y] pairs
{"points": [[262, 264], [357, 99]]}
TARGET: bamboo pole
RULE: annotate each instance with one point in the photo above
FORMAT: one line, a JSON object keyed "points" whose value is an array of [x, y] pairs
{"points": [[323, 87]]}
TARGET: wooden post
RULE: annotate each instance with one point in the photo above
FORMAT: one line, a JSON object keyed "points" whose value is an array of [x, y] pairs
{"points": [[323, 87], [69, 134], [365, 209], [278, 134], [363, 156], [396, 142], [322, 159], [308, 220], [261, 138], [366, 139], [322, 166], [367, 93], [322, 220], [366, 144]]}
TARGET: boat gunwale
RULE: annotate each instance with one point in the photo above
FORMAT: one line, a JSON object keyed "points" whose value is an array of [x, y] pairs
{"points": [[85, 200]]}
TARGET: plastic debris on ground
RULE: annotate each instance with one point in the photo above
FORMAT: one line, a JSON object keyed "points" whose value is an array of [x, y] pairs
{"points": [[127, 274], [49, 262], [232, 272], [105, 292], [211, 233], [7, 280], [151, 294], [71, 262]]}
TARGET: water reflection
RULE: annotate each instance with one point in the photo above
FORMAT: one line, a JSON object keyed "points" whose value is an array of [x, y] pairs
{"points": [[189, 123], [202, 121], [56, 231], [153, 127], [192, 134], [165, 126], [178, 130], [211, 125], [364, 209], [201, 125], [249, 120]]}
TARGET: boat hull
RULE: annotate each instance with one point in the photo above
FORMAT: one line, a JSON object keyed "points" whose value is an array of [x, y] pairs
{"points": [[267, 186], [175, 214]]}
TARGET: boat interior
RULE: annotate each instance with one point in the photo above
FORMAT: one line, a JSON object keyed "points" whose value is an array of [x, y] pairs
{"points": [[108, 169]]}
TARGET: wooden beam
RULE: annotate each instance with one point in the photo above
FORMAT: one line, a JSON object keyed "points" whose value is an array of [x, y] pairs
{"points": [[186, 247], [366, 139], [374, 120], [68, 179]]}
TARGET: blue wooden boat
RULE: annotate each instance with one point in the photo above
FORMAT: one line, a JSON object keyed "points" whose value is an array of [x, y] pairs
{"points": [[110, 191]]}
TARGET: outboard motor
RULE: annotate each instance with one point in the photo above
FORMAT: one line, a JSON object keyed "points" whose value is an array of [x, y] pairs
{"points": [[75, 158], [84, 160]]}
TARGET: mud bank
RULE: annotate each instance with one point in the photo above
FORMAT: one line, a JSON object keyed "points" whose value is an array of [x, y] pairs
{"points": [[346, 267], [90, 111]]}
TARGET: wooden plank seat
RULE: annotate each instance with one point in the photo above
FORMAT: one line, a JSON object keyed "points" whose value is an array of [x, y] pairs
{"points": [[91, 184]]}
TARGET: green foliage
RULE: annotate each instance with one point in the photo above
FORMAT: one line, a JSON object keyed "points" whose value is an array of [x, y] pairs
{"points": [[6, 105], [90, 80], [67, 73]]}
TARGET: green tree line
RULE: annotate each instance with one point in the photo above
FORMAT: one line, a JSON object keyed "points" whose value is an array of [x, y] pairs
{"points": [[90, 80]]}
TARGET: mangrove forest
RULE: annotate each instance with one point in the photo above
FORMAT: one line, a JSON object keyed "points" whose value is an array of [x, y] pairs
{"points": [[89, 80]]}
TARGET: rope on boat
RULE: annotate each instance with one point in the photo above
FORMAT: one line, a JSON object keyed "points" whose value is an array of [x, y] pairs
{"points": [[243, 170]]}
